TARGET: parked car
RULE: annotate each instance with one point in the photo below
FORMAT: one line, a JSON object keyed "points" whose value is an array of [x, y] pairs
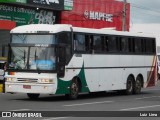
{"points": [[2, 71]]}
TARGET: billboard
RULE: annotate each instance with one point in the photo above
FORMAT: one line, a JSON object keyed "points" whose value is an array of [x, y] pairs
{"points": [[68, 4], [49, 4], [52, 4], [15, 1], [96, 14], [24, 16]]}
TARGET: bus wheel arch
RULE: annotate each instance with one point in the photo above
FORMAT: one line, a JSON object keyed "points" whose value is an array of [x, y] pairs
{"points": [[138, 84], [130, 84]]}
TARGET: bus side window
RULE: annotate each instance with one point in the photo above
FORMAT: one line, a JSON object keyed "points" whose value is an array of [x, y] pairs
{"points": [[150, 43], [97, 43], [105, 43], [79, 42], [138, 45], [131, 44], [87, 42], [112, 44], [124, 44]]}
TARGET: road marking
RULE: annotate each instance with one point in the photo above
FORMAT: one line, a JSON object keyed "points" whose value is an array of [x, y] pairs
{"points": [[88, 103], [140, 107], [20, 110], [56, 118], [151, 90], [146, 97]]}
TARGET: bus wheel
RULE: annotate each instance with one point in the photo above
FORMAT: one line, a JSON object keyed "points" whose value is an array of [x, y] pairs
{"points": [[33, 96], [129, 86], [74, 90], [137, 86]]}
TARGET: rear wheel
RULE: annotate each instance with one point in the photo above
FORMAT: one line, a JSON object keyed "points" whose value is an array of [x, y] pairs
{"points": [[129, 85], [137, 86], [33, 96]]}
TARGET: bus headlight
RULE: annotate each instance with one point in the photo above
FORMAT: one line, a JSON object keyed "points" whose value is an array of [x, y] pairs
{"points": [[46, 80], [10, 79]]}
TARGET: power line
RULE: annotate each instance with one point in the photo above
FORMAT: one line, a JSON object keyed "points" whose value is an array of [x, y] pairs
{"points": [[144, 8], [156, 14]]}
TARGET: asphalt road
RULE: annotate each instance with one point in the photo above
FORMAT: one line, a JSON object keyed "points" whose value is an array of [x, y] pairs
{"points": [[148, 100]]}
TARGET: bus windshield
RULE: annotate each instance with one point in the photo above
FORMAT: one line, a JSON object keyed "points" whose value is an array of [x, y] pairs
{"points": [[32, 58], [32, 52]]}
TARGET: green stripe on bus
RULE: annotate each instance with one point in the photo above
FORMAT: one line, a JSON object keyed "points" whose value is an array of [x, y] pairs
{"points": [[63, 87], [83, 80]]}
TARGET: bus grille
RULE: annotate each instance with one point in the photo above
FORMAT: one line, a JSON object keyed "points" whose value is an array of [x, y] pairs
{"points": [[27, 80]]}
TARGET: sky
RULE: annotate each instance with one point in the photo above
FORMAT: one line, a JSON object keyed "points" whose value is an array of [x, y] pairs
{"points": [[145, 11], [145, 17]]}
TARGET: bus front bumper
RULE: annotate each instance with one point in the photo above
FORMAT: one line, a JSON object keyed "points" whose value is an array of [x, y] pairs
{"points": [[30, 88]]}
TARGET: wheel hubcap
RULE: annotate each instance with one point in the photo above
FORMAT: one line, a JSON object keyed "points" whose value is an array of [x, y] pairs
{"points": [[74, 89], [138, 85], [130, 85]]}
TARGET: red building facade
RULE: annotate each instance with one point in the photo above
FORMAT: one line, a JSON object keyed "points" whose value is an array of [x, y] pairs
{"points": [[96, 14]]}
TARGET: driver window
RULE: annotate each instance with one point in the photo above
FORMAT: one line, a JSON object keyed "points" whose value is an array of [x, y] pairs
{"points": [[64, 37], [79, 42]]}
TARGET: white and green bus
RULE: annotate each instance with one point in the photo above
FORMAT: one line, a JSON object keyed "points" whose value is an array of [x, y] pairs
{"points": [[62, 59]]}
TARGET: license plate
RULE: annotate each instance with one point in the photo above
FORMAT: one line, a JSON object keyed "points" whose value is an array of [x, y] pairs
{"points": [[26, 86]]}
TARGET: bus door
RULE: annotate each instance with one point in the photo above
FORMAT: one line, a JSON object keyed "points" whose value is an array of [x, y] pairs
{"points": [[61, 61]]}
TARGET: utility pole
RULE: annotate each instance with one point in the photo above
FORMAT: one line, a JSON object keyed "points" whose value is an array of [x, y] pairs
{"points": [[124, 15]]}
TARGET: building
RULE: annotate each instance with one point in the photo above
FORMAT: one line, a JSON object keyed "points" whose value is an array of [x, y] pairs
{"points": [[79, 13], [96, 14]]}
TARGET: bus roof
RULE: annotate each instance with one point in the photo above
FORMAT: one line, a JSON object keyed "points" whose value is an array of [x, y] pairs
{"points": [[41, 28], [45, 28], [111, 32]]}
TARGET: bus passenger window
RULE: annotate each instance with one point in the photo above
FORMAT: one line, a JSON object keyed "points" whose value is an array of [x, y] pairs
{"points": [[105, 43], [79, 42], [112, 44], [150, 46], [131, 44], [138, 45], [97, 43], [124, 44], [88, 41]]}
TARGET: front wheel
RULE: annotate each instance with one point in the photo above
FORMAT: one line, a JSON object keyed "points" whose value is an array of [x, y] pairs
{"points": [[33, 96], [74, 90]]}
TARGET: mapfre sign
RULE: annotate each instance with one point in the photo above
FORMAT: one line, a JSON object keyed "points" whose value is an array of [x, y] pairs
{"points": [[93, 15], [52, 4], [96, 14]]}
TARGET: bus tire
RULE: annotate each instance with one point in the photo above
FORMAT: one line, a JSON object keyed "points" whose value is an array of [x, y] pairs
{"points": [[33, 96], [129, 85], [74, 90], [137, 85]]}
